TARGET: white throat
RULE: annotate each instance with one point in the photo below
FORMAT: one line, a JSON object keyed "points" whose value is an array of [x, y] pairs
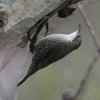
{"points": [[72, 36]]}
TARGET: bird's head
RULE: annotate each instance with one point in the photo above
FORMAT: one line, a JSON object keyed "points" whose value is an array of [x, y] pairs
{"points": [[75, 39]]}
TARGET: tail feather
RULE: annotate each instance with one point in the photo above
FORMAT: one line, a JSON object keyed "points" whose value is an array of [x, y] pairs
{"points": [[31, 71], [24, 79]]}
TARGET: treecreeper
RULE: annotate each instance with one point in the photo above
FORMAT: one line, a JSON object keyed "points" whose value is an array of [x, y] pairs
{"points": [[51, 49]]}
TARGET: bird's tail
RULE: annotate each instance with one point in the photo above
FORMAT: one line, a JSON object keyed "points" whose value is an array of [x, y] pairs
{"points": [[30, 72], [24, 79]]}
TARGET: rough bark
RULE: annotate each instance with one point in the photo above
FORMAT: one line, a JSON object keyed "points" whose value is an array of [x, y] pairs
{"points": [[12, 36]]}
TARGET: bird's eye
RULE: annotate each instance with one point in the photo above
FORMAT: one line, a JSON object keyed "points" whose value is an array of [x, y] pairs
{"points": [[78, 36], [1, 23]]}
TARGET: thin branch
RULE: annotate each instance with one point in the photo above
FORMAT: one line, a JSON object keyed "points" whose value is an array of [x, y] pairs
{"points": [[69, 96], [95, 58], [86, 76], [89, 25]]}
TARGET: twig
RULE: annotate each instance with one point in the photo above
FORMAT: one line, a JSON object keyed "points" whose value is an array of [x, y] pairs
{"points": [[88, 24], [70, 96], [95, 58], [86, 76]]}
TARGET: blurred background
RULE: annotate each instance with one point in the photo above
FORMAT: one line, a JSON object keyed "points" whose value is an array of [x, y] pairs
{"points": [[65, 75]]}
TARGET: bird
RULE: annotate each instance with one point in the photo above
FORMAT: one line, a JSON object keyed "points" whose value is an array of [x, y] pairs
{"points": [[51, 49]]}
